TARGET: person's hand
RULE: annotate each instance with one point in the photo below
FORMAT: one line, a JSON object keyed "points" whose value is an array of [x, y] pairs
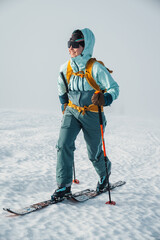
{"points": [[98, 99], [64, 107]]}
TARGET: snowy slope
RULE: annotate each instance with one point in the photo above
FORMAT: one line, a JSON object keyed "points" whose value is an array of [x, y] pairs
{"points": [[27, 175]]}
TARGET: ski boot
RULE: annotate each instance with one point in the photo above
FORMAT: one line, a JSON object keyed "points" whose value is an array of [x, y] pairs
{"points": [[102, 183], [61, 193]]}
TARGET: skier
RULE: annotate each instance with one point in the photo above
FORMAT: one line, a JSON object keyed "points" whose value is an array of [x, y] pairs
{"points": [[80, 108]]}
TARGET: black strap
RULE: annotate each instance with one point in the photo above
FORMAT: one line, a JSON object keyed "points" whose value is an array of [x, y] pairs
{"points": [[65, 82]]}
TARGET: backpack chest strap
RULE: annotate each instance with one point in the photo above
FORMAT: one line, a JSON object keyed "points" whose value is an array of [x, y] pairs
{"points": [[80, 74]]}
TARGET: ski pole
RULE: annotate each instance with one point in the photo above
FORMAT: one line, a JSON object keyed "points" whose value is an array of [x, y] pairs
{"points": [[104, 151], [74, 175], [65, 82], [74, 171]]}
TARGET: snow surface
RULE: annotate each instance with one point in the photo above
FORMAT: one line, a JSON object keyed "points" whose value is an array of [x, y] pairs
{"points": [[27, 175]]}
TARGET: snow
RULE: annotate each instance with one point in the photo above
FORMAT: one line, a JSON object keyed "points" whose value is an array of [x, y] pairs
{"points": [[27, 174]]}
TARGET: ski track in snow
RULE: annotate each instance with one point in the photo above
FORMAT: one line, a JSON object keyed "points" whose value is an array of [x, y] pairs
{"points": [[27, 175]]}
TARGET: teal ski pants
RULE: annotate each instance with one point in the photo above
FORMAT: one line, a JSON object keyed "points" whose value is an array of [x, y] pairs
{"points": [[72, 123]]}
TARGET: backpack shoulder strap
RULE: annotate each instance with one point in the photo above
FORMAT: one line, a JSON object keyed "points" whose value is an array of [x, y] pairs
{"points": [[69, 72], [88, 74]]}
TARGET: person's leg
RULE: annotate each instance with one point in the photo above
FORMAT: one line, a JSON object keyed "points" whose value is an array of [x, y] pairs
{"points": [[92, 136], [65, 149]]}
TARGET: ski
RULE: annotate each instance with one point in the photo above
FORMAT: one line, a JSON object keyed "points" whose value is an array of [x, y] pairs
{"points": [[31, 208], [88, 194], [80, 196]]}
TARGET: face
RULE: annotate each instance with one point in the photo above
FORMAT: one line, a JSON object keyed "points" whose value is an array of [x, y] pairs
{"points": [[74, 52]]}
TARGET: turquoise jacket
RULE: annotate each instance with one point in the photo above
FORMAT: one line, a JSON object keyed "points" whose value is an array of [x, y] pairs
{"points": [[80, 92]]}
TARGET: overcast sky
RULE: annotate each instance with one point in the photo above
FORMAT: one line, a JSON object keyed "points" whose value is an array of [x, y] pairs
{"points": [[33, 45]]}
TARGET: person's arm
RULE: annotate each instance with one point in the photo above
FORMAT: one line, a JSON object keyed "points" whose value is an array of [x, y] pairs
{"points": [[105, 81], [62, 92]]}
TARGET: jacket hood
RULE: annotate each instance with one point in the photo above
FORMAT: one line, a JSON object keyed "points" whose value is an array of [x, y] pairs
{"points": [[89, 40], [78, 63]]}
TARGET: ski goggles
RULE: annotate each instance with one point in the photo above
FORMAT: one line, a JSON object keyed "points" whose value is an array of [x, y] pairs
{"points": [[74, 44]]}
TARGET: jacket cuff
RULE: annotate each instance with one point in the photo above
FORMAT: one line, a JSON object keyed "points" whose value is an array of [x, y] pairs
{"points": [[63, 98], [108, 99]]}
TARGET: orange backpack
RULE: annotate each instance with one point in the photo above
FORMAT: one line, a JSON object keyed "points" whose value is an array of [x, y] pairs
{"points": [[87, 74]]}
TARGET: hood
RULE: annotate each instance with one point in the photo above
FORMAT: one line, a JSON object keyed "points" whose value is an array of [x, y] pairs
{"points": [[78, 63], [89, 40]]}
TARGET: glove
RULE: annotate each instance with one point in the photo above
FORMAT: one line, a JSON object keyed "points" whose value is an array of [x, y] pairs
{"points": [[98, 99], [102, 99], [64, 107], [64, 101]]}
